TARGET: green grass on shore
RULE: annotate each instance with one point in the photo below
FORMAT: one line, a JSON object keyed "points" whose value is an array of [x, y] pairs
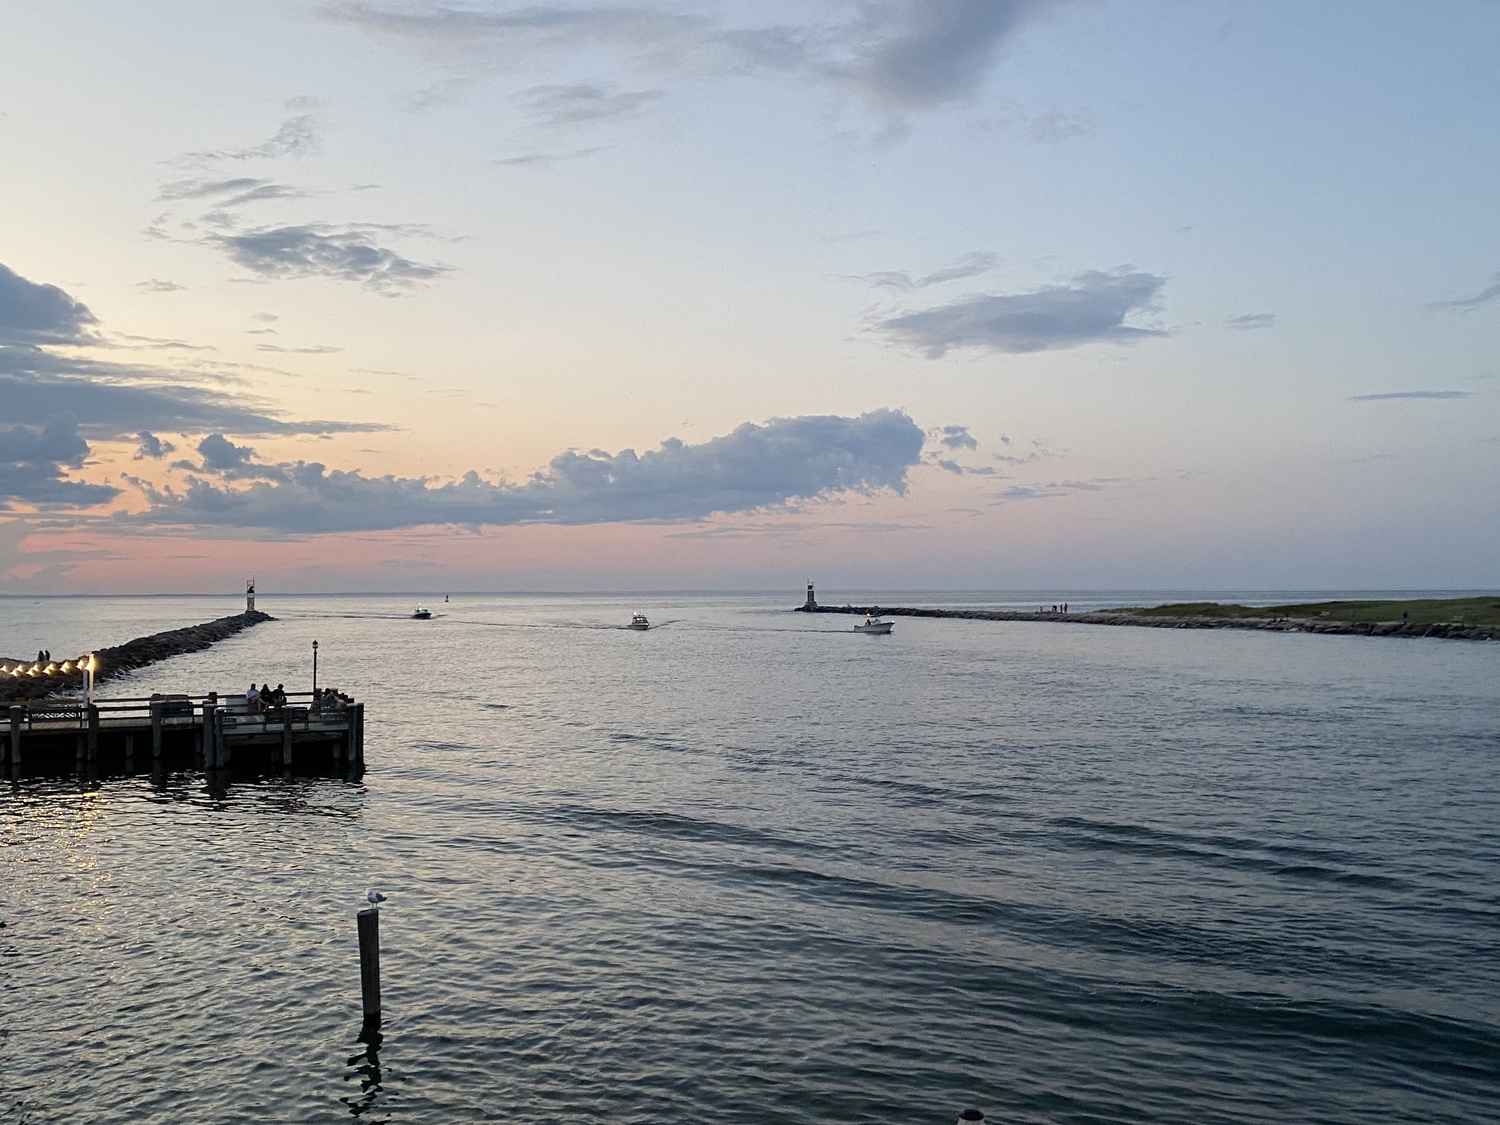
{"points": [[1426, 611]]}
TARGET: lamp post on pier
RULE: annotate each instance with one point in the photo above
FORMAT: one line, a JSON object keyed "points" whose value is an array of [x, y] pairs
{"points": [[315, 672]]}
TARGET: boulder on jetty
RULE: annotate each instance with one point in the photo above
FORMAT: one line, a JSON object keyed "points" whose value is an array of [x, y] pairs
{"points": [[127, 657]]}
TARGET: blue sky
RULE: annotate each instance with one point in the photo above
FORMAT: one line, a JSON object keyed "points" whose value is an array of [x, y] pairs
{"points": [[961, 293]]}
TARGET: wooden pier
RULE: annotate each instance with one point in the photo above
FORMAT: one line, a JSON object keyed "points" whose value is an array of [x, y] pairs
{"points": [[219, 735]]}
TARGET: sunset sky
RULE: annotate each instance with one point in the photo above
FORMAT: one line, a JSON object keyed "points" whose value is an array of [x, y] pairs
{"points": [[384, 295]]}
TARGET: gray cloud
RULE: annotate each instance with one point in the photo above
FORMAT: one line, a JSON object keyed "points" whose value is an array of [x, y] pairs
{"points": [[968, 265], [921, 54], [1091, 309], [1038, 453], [1384, 395], [1250, 321], [156, 285], [297, 136], [957, 437], [897, 56], [1469, 304], [151, 447], [566, 105], [39, 314], [348, 253], [951, 467], [1051, 489], [33, 460], [546, 159], [1054, 126], [57, 399], [755, 466], [114, 401], [222, 455], [231, 192]]}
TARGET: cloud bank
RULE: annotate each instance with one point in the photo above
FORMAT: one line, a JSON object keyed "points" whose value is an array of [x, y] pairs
{"points": [[1490, 293], [1384, 395], [566, 105], [1092, 308], [754, 467], [348, 253], [969, 265], [957, 437], [39, 314], [34, 459], [56, 402], [116, 401], [898, 57]]}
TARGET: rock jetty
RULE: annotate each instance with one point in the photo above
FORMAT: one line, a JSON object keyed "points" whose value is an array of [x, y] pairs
{"points": [[1451, 630], [129, 656]]}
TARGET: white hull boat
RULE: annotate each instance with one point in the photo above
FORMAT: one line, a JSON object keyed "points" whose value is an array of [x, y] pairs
{"points": [[874, 626], [638, 621]]}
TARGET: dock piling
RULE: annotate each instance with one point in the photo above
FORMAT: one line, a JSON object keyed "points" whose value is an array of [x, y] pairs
{"points": [[208, 738], [92, 738], [221, 744], [15, 741], [356, 755], [369, 963], [155, 734]]}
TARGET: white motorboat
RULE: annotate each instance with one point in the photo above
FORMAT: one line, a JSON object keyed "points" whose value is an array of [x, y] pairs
{"points": [[422, 613], [875, 626], [638, 621]]}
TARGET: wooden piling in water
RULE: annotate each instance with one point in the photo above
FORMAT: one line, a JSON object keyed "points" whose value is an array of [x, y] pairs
{"points": [[209, 737], [369, 963], [130, 753], [155, 734], [15, 738], [92, 738]]}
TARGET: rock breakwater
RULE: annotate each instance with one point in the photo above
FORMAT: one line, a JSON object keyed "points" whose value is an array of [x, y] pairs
{"points": [[1449, 630], [127, 657]]}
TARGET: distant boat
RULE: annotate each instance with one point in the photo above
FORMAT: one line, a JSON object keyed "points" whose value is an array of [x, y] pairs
{"points": [[422, 613], [638, 621], [874, 626]]}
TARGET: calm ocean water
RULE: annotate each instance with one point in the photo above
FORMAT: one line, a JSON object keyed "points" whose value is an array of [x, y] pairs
{"points": [[751, 867]]}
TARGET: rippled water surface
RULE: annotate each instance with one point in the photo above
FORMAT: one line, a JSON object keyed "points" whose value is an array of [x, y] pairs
{"points": [[751, 867]]}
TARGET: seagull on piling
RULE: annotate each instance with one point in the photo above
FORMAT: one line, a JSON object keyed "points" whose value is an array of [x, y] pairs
{"points": [[374, 898]]}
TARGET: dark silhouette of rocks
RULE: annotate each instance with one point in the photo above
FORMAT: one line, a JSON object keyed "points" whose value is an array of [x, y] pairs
{"points": [[1450, 630], [130, 656]]}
